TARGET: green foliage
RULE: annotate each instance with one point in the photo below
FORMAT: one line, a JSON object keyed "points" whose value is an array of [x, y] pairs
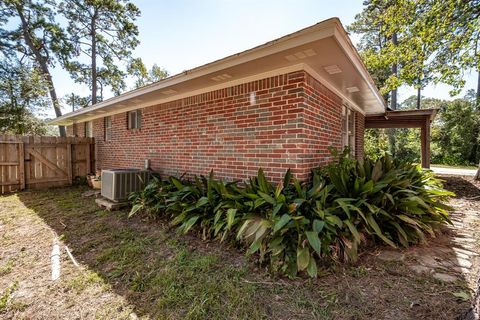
{"points": [[456, 134], [104, 32], [375, 143], [22, 93], [75, 101], [32, 35], [393, 201], [142, 75], [436, 41], [295, 226]]}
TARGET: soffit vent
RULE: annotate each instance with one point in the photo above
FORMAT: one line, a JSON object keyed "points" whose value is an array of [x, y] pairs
{"points": [[169, 91], [352, 89], [333, 69], [301, 55], [221, 77]]}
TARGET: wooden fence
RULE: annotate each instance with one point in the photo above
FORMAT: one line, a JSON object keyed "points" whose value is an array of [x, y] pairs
{"points": [[39, 162]]}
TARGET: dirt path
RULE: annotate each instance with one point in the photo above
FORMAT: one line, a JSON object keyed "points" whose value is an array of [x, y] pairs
{"points": [[130, 268]]}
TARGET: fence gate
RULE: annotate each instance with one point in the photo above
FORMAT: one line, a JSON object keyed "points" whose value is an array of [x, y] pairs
{"points": [[39, 162]]}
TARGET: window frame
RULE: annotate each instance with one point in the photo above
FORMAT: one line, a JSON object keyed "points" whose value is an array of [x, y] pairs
{"points": [[137, 122], [348, 130], [108, 125]]}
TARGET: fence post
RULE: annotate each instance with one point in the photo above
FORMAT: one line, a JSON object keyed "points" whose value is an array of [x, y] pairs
{"points": [[69, 163], [21, 164], [87, 156]]}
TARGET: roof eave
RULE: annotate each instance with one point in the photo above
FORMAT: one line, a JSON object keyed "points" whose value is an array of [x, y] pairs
{"points": [[330, 27]]}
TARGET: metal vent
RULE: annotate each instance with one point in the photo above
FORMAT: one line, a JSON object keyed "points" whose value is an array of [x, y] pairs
{"points": [[117, 184], [221, 77], [333, 69], [352, 89]]}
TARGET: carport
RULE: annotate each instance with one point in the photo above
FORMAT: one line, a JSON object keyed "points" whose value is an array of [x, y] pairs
{"points": [[407, 119]]}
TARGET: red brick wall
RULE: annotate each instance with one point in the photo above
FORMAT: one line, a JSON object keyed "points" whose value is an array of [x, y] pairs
{"points": [[359, 135], [292, 122], [323, 123], [76, 130]]}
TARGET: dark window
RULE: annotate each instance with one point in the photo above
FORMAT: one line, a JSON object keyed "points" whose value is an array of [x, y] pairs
{"points": [[108, 128], [134, 119]]}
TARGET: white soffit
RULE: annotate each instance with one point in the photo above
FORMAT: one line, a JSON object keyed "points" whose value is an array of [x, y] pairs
{"points": [[324, 49]]}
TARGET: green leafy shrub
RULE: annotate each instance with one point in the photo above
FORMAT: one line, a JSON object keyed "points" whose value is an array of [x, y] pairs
{"points": [[292, 226], [394, 201]]}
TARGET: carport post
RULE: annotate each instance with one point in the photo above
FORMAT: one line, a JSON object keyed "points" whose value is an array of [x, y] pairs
{"points": [[425, 143]]}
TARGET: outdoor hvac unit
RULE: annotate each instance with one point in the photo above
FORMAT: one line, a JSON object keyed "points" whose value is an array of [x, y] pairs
{"points": [[117, 184]]}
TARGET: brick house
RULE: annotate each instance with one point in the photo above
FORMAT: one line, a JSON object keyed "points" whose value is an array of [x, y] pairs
{"points": [[276, 106]]}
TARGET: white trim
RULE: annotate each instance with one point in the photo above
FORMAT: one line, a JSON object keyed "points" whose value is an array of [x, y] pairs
{"points": [[259, 76], [347, 133], [354, 57], [319, 31]]}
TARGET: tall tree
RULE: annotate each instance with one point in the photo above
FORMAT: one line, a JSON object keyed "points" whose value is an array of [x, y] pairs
{"points": [[374, 40], [23, 92], [142, 75], [75, 101], [377, 39], [457, 27], [38, 37], [105, 32]]}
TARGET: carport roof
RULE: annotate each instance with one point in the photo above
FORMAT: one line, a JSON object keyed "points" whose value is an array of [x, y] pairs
{"points": [[401, 118]]}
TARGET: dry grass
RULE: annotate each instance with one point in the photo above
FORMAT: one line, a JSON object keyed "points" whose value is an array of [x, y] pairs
{"points": [[131, 267]]}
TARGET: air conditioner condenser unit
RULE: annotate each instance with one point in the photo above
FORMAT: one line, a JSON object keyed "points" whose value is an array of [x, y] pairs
{"points": [[117, 184]]}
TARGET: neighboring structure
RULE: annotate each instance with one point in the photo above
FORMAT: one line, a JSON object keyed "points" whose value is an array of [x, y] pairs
{"points": [[276, 106]]}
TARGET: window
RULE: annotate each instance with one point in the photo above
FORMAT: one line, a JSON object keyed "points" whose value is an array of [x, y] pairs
{"points": [[348, 129], [134, 119], [108, 128], [89, 129]]}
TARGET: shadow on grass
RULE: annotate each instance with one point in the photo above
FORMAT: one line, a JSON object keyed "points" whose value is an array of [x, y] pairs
{"points": [[163, 275]]}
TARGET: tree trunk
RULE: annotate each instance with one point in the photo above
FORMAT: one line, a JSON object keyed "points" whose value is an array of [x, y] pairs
{"points": [[419, 97], [43, 66], [478, 90], [477, 175], [393, 100], [94, 58]]}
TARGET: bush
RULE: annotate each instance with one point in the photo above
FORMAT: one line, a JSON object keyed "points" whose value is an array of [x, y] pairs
{"points": [[292, 226]]}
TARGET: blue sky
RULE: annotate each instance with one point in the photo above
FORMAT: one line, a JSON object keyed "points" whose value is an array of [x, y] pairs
{"points": [[182, 34]]}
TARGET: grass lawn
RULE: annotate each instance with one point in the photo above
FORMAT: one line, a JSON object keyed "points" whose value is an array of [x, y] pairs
{"points": [[454, 167], [130, 268]]}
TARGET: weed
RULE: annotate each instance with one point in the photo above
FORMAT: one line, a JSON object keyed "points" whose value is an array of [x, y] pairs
{"points": [[84, 280], [5, 297], [6, 268]]}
